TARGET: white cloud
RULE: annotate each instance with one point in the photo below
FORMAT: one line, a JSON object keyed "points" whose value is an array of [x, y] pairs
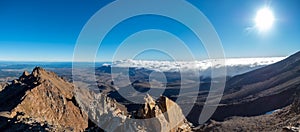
{"points": [[234, 66]]}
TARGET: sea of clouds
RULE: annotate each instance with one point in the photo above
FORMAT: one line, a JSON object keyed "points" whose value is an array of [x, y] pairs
{"points": [[234, 66]]}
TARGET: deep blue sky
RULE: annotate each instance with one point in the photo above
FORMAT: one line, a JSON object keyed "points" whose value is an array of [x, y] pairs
{"points": [[47, 30]]}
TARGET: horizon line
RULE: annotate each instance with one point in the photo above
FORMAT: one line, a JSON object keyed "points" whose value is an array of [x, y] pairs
{"points": [[70, 61]]}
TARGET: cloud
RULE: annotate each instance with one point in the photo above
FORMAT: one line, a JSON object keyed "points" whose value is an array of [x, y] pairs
{"points": [[234, 66]]}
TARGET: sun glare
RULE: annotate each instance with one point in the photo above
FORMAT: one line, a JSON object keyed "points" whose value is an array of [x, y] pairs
{"points": [[264, 19]]}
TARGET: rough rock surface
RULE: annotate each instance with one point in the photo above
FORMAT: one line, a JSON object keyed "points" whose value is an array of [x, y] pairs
{"points": [[161, 115], [42, 101], [3, 85], [262, 90], [42, 97], [286, 119], [167, 112], [102, 110]]}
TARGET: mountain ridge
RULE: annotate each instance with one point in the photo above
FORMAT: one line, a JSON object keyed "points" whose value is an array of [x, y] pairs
{"points": [[44, 97], [43, 101], [262, 90]]}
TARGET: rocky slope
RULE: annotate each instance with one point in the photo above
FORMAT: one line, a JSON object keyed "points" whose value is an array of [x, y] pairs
{"points": [[3, 85], [44, 98], [161, 115], [169, 113], [42, 101], [286, 119], [259, 91]]}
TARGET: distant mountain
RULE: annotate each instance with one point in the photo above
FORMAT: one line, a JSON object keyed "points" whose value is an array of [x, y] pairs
{"points": [[262, 90]]}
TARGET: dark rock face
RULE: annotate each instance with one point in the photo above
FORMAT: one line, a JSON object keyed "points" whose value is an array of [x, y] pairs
{"points": [[286, 119], [257, 92], [262, 90]]}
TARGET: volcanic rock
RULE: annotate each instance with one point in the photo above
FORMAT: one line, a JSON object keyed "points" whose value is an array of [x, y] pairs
{"points": [[43, 97], [167, 112], [42, 101], [262, 90], [3, 85], [162, 115], [286, 119]]}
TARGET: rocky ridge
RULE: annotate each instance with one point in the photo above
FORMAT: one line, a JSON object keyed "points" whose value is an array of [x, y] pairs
{"points": [[45, 98], [262, 90], [168, 113], [286, 119], [3, 85], [161, 115], [42, 101]]}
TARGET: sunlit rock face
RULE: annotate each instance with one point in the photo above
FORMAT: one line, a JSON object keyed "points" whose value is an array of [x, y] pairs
{"points": [[43, 98], [160, 115], [42, 101], [168, 114], [3, 85]]}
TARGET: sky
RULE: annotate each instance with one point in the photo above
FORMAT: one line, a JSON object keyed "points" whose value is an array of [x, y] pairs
{"points": [[47, 30]]}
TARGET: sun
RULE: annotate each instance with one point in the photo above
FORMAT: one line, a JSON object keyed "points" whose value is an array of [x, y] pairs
{"points": [[264, 19]]}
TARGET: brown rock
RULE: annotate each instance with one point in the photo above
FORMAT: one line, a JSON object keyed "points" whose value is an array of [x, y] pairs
{"points": [[14, 82], [42, 101], [48, 98], [167, 112], [25, 74], [2, 85]]}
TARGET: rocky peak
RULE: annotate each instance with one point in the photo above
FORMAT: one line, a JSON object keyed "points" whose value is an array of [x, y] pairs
{"points": [[149, 109], [162, 115], [44, 97], [149, 101], [32, 79], [38, 71], [25, 74], [47, 101], [3, 85], [168, 113]]}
